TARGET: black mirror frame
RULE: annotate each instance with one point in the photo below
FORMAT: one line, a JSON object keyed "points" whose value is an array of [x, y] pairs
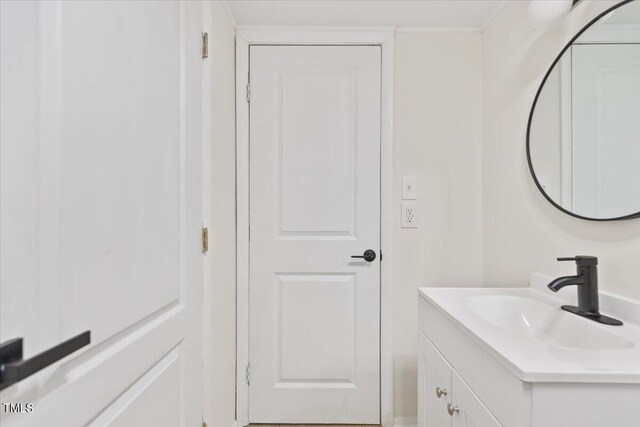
{"points": [[533, 107]]}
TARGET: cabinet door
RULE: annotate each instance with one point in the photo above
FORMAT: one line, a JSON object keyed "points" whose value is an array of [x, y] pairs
{"points": [[469, 410], [434, 373]]}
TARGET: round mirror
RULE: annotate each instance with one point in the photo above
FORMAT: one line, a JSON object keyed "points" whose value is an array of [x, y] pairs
{"points": [[583, 136]]}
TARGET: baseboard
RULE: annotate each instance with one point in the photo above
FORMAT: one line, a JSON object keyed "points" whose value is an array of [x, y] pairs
{"points": [[405, 422], [397, 422]]}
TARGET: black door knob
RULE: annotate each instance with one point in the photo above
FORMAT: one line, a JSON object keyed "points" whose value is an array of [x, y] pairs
{"points": [[369, 255]]}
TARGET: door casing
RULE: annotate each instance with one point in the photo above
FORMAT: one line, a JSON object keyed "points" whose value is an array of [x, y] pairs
{"points": [[254, 35]]}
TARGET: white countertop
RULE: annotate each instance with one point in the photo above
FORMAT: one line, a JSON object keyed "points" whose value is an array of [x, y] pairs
{"points": [[535, 359]]}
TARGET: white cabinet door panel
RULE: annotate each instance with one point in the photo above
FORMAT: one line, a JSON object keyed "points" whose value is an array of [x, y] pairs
{"points": [[433, 373], [472, 413]]}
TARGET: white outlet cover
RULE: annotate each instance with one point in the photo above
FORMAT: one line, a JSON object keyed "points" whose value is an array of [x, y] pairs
{"points": [[409, 188], [409, 215]]}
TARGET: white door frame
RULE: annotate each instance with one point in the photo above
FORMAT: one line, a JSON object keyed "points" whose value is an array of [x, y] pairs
{"points": [[379, 36]]}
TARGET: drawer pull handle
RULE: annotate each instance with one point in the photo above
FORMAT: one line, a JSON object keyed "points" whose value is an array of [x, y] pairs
{"points": [[441, 392], [452, 409]]}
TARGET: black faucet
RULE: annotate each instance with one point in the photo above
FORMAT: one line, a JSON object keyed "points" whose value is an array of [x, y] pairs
{"points": [[587, 282]]}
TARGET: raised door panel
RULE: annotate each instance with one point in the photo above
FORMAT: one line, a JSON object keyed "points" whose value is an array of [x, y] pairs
{"points": [[150, 400], [96, 211], [314, 347], [317, 145], [434, 374], [118, 183], [470, 410]]}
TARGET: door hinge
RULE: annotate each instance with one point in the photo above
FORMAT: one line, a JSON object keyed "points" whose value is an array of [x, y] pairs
{"points": [[381, 255], [205, 45], [248, 92], [248, 374], [205, 240]]}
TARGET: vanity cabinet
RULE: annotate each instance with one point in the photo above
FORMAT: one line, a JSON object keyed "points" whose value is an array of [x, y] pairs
{"points": [[488, 377], [444, 398]]}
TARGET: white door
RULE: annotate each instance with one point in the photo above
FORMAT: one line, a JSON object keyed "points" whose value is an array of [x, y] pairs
{"points": [[315, 202], [101, 211], [606, 95]]}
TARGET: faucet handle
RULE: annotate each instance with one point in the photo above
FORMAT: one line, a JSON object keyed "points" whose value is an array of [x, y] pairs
{"points": [[582, 260]]}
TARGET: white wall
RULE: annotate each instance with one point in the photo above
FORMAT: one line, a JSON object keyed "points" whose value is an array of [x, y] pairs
{"points": [[523, 232], [437, 138], [219, 215]]}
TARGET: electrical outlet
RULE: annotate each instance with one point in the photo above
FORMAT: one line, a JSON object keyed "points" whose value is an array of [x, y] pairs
{"points": [[409, 215], [409, 188]]}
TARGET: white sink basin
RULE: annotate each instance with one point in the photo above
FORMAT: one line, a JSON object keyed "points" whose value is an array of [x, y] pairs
{"points": [[527, 331], [543, 322]]}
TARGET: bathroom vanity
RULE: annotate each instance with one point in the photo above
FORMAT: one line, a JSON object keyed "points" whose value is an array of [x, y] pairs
{"points": [[512, 357]]}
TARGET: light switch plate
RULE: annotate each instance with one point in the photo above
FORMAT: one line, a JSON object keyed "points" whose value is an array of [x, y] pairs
{"points": [[409, 215], [409, 188]]}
